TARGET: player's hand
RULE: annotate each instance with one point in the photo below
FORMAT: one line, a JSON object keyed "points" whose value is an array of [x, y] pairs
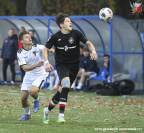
{"points": [[49, 67], [105, 64], [15, 62], [1, 59], [93, 56], [40, 63]]}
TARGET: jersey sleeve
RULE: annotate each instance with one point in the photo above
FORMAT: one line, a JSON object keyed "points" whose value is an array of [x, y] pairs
{"points": [[50, 42], [81, 37], [21, 60], [40, 47]]}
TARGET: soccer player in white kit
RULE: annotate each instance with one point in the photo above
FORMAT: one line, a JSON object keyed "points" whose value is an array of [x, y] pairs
{"points": [[29, 58]]}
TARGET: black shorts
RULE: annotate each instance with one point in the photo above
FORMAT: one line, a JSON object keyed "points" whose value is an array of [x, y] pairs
{"points": [[67, 71]]}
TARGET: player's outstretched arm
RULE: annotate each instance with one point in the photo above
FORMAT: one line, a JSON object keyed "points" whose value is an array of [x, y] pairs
{"points": [[93, 55], [52, 51], [29, 68], [49, 67], [45, 54]]}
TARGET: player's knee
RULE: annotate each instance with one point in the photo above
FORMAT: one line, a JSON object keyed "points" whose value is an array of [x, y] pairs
{"points": [[83, 74], [52, 74], [32, 92], [66, 84]]}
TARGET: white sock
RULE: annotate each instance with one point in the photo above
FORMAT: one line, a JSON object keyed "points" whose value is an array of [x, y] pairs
{"points": [[52, 78], [46, 110], [79, 86], [56, 81], [46, 113], [61, 116], [73, 85], [27, 110], [5, 82], [37, 99], [12, 82]]}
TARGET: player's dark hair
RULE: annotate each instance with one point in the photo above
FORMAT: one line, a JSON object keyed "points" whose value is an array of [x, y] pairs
{"points": [[12, 29], [81, 46], [106, 55], [60, 18], [31, 31], [22, 27], [22, 34]]}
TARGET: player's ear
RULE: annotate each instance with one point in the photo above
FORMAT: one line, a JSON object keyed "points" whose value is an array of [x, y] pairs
{"points": [[61, 25], [21, 41]]}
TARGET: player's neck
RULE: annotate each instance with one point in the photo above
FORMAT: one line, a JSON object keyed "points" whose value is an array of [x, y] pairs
{"points": [[64, 31], [27, 46]]}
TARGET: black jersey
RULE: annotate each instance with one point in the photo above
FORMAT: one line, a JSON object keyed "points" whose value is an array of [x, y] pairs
{"points": [[67, 49]]}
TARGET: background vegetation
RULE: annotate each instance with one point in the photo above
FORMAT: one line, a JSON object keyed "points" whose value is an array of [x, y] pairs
{"points": [[72, 7]]}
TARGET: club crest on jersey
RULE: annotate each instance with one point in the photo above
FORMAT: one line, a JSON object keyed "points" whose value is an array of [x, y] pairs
{"points": [[34, 53], [71, 40], [66, 48]]}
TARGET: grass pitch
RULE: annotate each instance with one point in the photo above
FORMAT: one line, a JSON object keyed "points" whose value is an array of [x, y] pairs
{"points": [[85, 113]]}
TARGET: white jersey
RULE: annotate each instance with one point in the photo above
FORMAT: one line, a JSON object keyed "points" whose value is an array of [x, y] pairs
{"points": [[31, 57]]}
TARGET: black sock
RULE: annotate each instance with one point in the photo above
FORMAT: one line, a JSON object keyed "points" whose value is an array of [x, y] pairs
{"points": [[54, 101], [63, 99]]}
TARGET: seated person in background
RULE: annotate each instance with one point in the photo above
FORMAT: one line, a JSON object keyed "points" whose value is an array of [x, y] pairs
{"points": [[106, 70], [20, 45], [118, 70], [80, 70], [107, 61], [89, 69], [53, 76], [34, 40]]}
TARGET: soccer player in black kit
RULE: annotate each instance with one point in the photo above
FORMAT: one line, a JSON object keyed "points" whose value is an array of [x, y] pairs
{"points": [[67, 53]]}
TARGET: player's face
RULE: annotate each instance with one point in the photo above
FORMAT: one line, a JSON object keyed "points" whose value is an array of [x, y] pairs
{"points": [[67, 25], [26, 39], [31, 33], [21, 30], [10, 33], [86, 53], [106, 59]]}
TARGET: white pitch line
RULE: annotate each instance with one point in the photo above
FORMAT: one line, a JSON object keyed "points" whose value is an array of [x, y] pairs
{"points": [[13, 90], [10, 93], [41, 93]]}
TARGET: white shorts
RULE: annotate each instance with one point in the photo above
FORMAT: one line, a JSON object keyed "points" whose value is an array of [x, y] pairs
{"points": [[37, 81], [92, 74]]}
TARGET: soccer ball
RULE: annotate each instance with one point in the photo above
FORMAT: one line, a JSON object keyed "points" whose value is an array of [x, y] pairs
{"points": [[106, 14]]}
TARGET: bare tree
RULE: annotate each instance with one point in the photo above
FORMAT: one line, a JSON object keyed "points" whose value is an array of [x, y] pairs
{"points": [[34, 8]]}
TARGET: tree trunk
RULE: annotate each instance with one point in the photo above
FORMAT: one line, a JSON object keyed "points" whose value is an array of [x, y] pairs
{"points": [[34, 8], [21, 7]]}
